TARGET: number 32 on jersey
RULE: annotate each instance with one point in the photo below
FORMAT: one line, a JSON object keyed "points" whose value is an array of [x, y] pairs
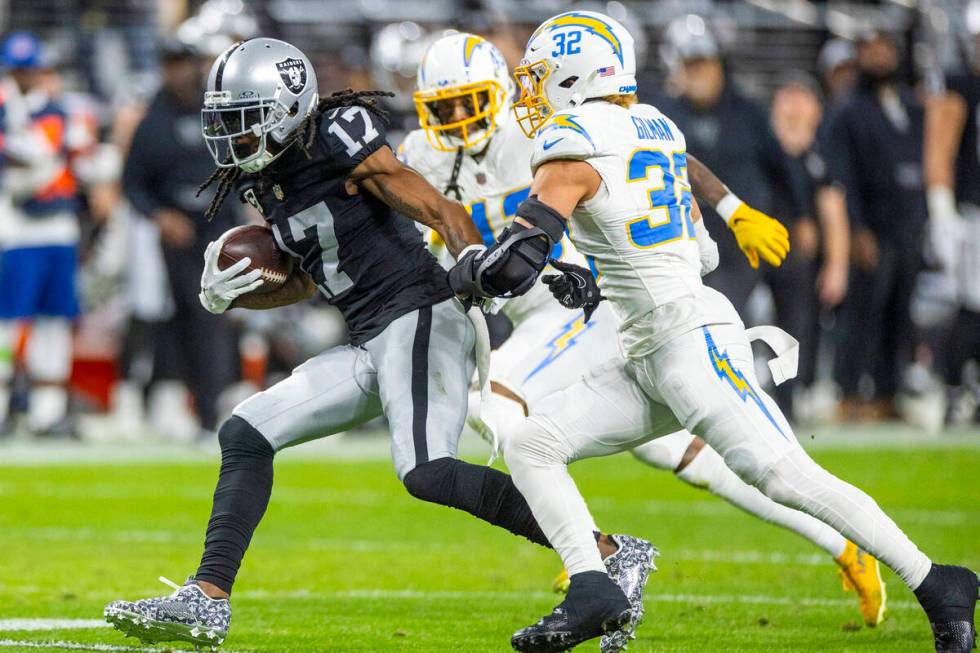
{"points": [[670, 200]]}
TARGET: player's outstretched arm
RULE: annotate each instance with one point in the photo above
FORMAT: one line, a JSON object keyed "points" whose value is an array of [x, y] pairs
{"points": [[758, 235], [407, 192], [512, 265]]}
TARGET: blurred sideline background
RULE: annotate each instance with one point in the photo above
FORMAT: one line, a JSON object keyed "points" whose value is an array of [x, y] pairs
{"points": [[103, 156]]}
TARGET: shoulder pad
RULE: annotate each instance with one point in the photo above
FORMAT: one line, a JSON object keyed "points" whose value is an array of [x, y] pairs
{"points": [[566, 136]]}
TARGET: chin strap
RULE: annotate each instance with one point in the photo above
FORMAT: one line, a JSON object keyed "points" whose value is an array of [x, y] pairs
{"points": [[453, 185]]}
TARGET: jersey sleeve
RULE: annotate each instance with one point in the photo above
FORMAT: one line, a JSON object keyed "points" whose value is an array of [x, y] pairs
{"points": [[566, 136], [350, 135]]}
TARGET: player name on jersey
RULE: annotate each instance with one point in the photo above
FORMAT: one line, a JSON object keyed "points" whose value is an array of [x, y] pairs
{"points": [[652, 128]]}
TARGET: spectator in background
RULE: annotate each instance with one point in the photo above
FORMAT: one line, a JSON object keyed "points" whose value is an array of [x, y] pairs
{"points": [[39, 235], [814, 275], [837, 63], [168, 160], [875, 149], [952, 172], [731, 135]]}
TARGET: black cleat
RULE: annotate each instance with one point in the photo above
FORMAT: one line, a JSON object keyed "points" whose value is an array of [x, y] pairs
{"points": [[949, 596], [595, 605]]}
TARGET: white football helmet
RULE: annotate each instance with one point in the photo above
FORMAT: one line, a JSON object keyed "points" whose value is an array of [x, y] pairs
{"points": [[569, 59], [463, 89], [396, 50]]}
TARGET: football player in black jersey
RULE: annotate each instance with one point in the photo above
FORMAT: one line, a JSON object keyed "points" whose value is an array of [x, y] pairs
{"points": [[336, 199], [952, 175]]}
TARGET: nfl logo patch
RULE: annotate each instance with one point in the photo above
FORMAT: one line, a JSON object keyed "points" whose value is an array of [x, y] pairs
{"points": [[608, 71], [293, 73]]}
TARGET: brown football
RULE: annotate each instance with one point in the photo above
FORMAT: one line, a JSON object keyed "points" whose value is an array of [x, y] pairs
{"points": [[257, 243]]}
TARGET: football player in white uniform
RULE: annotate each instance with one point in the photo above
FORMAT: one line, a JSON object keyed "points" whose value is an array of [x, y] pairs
{"points": [[613, 172], [470, 146]]}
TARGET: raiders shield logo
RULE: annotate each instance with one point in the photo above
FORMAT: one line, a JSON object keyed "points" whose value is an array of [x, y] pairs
{"points": [[250, 197], [293, 73]]}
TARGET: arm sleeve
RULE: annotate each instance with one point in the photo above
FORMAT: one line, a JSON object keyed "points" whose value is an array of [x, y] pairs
{"points": [[138, 171], [350, 135]]}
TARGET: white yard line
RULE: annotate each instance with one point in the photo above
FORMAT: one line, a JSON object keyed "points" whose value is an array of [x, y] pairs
{"points": [[8, 625], [75, 646], [375, 446], [81, 646], [651, 596]]}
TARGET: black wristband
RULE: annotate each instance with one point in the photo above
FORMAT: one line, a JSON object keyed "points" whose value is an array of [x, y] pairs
{"points": [[542, 216]]}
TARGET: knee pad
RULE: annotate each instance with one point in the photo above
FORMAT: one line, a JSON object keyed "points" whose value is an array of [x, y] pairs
{"points": [[533, 442], [431, 480], [240, 441], [783, 483]]}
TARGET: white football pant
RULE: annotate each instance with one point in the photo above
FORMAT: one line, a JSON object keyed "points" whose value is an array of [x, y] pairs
{"points": [[553, 347], [702, 381]]}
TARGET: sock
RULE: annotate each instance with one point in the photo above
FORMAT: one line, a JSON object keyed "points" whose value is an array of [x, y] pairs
{"points": [[240, 500], [708, 470], [482, 491]]}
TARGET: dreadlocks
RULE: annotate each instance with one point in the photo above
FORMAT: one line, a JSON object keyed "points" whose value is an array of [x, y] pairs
{"points": [[305, 135]]}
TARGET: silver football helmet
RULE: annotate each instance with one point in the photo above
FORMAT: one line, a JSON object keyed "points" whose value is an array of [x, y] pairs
{"points": [[256, 89]]}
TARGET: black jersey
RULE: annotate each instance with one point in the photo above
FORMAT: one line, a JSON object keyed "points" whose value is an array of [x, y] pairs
{"points": [[968, 158], [367, 259]]}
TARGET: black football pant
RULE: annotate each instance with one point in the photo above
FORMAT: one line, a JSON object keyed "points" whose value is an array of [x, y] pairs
{"points": [[417, 373]]}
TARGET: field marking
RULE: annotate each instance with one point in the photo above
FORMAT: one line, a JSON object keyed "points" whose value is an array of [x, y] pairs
{"points": [[7, 625], [756, 599], [76, 646], [81, 646], [374, 446]]}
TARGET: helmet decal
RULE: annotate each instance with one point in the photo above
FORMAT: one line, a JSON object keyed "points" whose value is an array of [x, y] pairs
{"points": [[591, 23], [469, 45], [293, 73]]}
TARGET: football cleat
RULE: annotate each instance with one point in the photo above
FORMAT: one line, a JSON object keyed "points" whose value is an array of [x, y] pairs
{"points": [[560, 584], [595, 606], [629, 568], [949, 596], [187, 615], [859, 572]]}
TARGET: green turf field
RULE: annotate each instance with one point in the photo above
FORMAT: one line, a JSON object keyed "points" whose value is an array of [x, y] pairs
{"points": [[346, 561]]}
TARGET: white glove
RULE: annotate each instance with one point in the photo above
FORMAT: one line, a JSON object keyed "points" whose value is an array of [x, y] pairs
{"points": [[947, 230], [707, 248], [219, 288]]}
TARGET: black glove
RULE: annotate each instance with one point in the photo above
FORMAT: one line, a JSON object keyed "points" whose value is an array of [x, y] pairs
{"points": [[575, 287], [462, 276]]}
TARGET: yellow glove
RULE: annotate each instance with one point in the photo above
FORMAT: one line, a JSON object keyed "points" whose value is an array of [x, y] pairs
{"points": [[759, 235]]}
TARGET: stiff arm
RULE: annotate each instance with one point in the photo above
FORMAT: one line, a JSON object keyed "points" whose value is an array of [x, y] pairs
{"points": [[407, 192]]}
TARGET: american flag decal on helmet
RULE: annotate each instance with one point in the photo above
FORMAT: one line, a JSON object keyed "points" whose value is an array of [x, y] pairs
{"points": [[608, 71]]}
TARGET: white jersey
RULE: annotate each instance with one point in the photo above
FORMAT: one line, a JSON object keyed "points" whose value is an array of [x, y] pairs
{"points": [[491, 185], [636, 232]]}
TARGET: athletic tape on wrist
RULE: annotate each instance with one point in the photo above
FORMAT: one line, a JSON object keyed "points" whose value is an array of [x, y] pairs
{"points": [[727, 206]]}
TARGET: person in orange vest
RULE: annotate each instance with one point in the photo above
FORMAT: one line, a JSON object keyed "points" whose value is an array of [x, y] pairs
{"points": [[39, 240]]}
